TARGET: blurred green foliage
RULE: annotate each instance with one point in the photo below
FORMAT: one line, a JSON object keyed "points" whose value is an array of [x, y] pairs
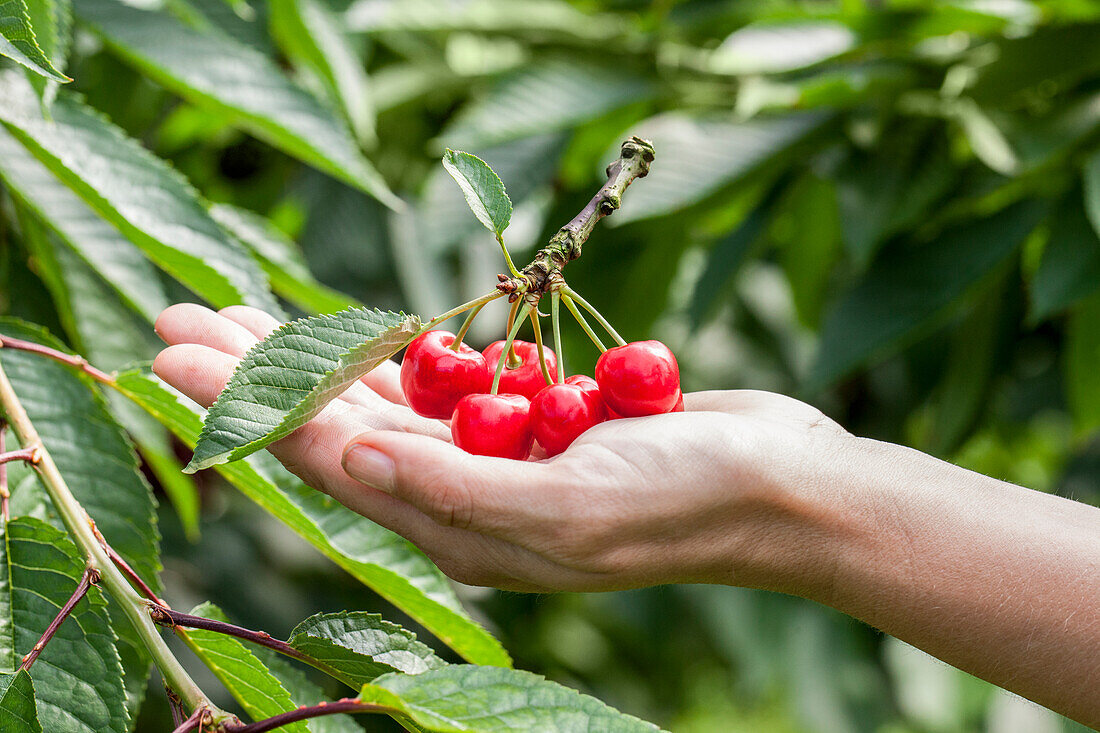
{"points": [[891, 209]]}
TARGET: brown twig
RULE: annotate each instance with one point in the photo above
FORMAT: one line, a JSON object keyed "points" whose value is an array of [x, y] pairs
{"points": [[90, 578], [544, 272], [131, 574], [30, 455], [347, 705], [192, 723], [80, 362], [165, 616], [5, 495], [179, 714]]}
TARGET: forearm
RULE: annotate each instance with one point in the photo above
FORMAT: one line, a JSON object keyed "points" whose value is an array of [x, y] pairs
{"points": [[1000, 581]]}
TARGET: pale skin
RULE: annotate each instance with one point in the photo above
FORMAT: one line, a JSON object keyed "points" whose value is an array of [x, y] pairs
{"points": [[744, 488]]}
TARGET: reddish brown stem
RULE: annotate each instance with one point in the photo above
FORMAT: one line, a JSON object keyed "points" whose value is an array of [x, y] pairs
{"points": [[70, 359], [4, 493], [176, 706], [91, 576], [132, 575], [347, 705], [30, 455], [167, 617], [192, 723]]}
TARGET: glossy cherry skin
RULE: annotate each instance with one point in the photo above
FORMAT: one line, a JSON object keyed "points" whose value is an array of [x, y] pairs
{"points": [[434, 377], [640, 378], [679, 404], [526, 379], [561, 412], [493, 425]]}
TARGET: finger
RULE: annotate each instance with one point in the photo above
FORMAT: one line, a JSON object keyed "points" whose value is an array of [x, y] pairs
{"points": [[200, 372], [513, 500], [188, 323], [254, 320]]}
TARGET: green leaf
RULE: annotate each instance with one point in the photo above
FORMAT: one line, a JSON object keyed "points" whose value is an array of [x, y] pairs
{"points": [[482, 189], [250, 682], [698, 157], [1082, 354], [313, 38], [291, 375], [382, 560], [902, 293], [359, 646], [303, 692], [18, 711], [810, 246], [19, 43], [467, 698], [150, 203], [1091, 177], [39, 570], [773, 47], [211, 70], [99, 244], [281, 260], [550, 96], [1070, 266], [509, 17]]}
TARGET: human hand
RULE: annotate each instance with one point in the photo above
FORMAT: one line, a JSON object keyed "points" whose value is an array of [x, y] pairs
{"points": [[730, 491]]}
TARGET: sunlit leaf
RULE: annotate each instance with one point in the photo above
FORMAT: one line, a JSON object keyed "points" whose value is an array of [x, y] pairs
{"points": [[482, 189], [291, 375], [775, 47], [18, 40]]}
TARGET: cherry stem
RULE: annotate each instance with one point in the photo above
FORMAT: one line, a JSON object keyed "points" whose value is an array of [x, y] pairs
{"points": [[507, 257], [90, 577], [192, 723], [164, 616], [347, 705], [508, 345], [583, 322], [70, 359], [176, 706], [465, 327], [4, 493], [595, 314], [555, 321], [538, 345], [514, 362], [487, 298]]}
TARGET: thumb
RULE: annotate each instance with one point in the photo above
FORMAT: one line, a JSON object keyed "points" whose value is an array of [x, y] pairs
{"points": [[454, 488]]}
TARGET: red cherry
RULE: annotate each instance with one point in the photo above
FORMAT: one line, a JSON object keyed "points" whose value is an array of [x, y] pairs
{"points": [[679, 404], [434, 377], [525, 379], [561, 412], [493, 425], [640, 378]]}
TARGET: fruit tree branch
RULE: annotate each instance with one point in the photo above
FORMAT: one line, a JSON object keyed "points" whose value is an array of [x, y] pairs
{"points": [[7, 342], [132, 575], [194, 722], [544, 272], [347, 705], [82, 532], [90, 578], [165, 616]]}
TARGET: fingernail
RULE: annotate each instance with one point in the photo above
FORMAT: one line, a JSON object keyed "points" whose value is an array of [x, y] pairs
{"points": [[370, 466]]}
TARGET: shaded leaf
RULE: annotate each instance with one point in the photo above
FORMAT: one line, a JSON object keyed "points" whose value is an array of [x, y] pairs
{"points": [[1056, 56], [359, 646], [1082, 354], [697, 157], [18, 711], [211, 70], [281, 259], [482, 189], [39, 570], [900, 294], [551, 96], [147, 200], [1070, 266], [19, 43], [382, 560], [291, 375], [467, 698]]}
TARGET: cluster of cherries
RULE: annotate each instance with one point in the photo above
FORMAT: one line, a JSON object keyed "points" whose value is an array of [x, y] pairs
{"points": [[444, 381]]}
